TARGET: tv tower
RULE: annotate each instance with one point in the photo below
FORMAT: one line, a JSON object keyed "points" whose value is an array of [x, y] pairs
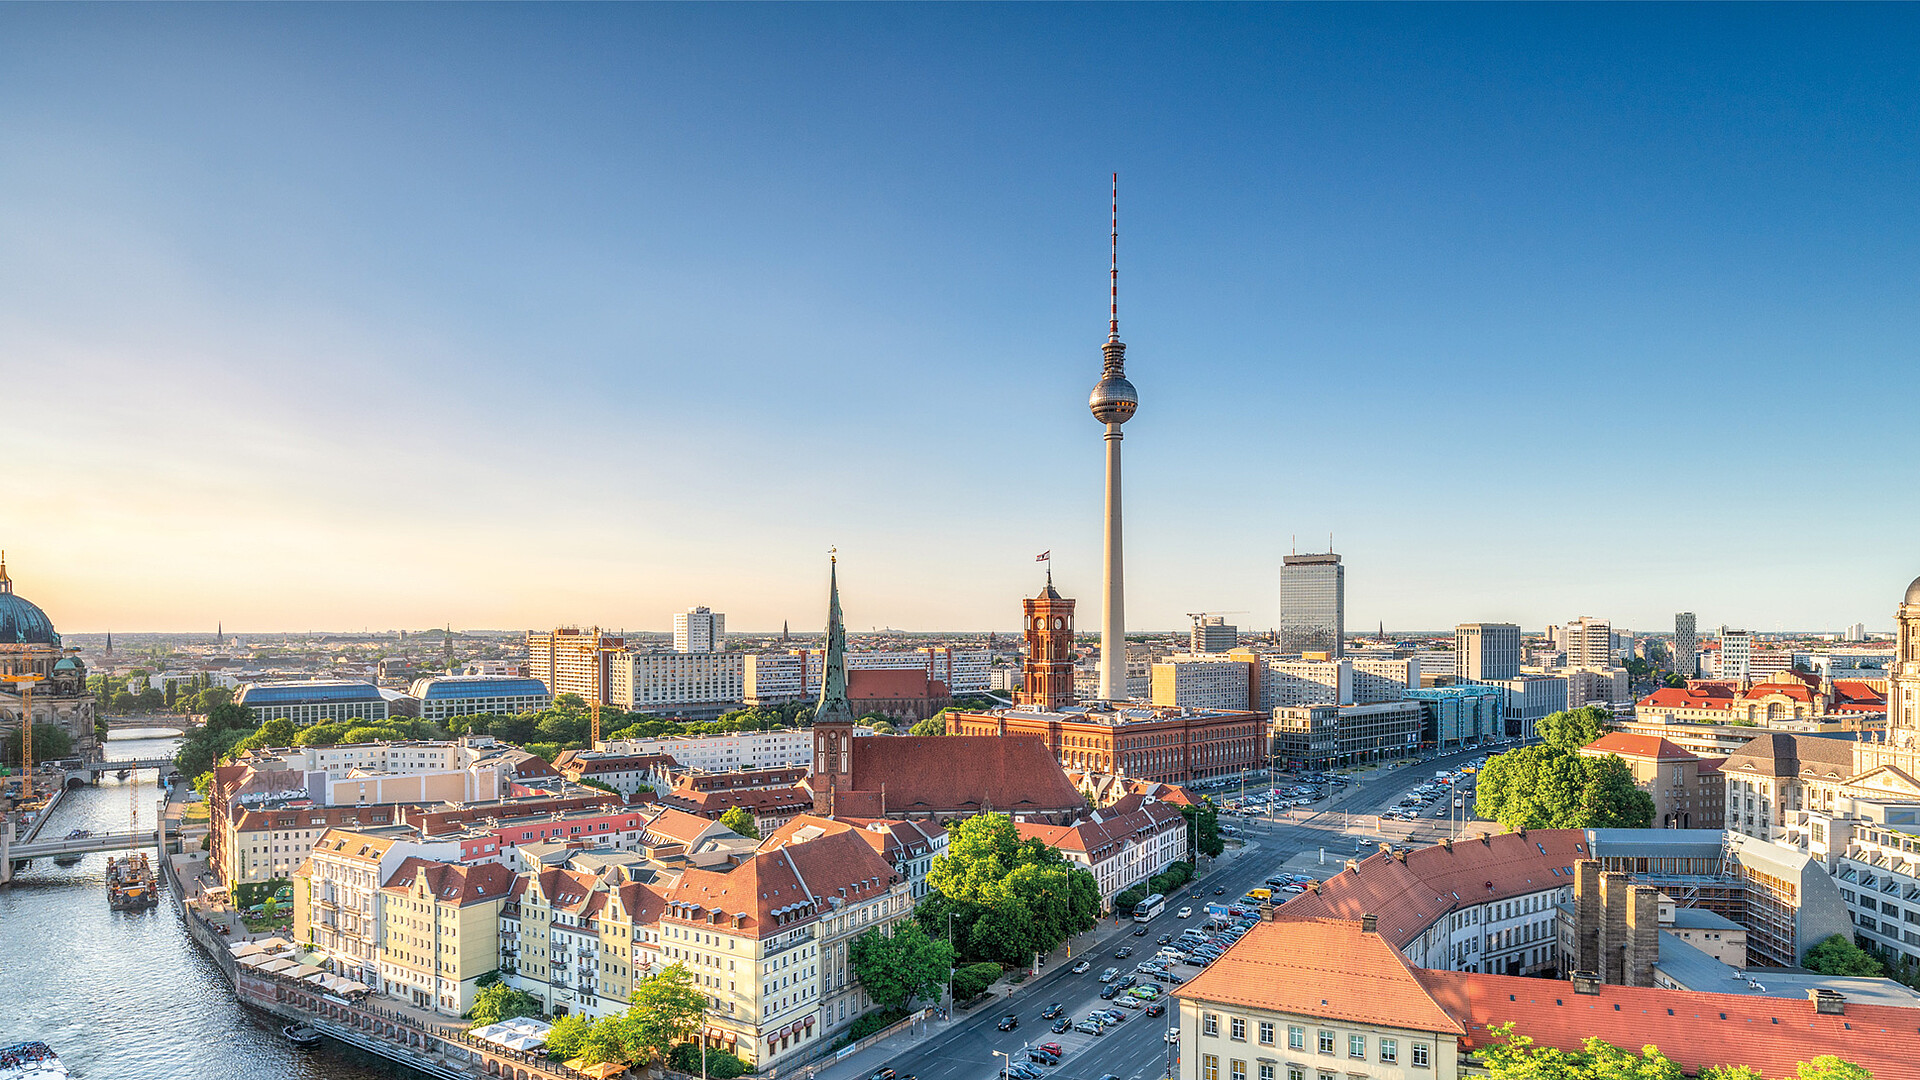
{"points": [[1113, 402]]}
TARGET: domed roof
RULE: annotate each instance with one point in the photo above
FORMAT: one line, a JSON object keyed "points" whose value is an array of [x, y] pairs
{"points": [[67, 664], [1913, 592], [21, 621]]}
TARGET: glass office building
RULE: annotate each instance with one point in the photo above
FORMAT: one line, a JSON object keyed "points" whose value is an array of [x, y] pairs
{"points": [[1313, 604]]}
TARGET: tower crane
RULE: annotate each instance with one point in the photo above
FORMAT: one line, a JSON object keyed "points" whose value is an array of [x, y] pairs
{"points": [[599, 687], [25, 683], [1196, 616]]}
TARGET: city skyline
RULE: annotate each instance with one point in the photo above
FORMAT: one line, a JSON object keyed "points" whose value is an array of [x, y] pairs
{"points": [[524, 317]]}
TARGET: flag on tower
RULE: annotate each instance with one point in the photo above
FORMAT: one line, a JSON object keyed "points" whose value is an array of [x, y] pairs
{"points": [[1044, 556]]}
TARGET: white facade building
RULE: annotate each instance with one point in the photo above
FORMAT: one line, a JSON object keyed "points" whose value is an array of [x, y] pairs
{"points": [[1736, 654], [699, 630], [729, 752], [682, 684], [1483, 652]]}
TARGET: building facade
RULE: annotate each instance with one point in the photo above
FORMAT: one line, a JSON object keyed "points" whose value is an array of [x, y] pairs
{"points": [[1324, 736], [1589, 642], [1313, 604], [699, 630], [1686, 645], [1453, 716], [1212, 633], [443, 697], [572, 660], [1048, 664], [1688, 791], [1484, 652], [315, 701], [1735, 655], [1169, 745], [695, 685]]}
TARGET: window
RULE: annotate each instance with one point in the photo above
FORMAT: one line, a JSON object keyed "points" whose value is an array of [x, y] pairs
{"points": [[1239, 1029], [1420, 1055], [1266, 1033], [1266, 1070], [1296, 1037], [1326, 1042], [1389, 1051], [1357, 1047], [1210, 1024], [1210, 1067], [1239, 1069], [1295, 1072]]}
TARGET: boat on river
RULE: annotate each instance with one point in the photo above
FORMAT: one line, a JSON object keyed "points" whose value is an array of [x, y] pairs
{"points": [[130, 884], [301, 1035], [30, 1061]]}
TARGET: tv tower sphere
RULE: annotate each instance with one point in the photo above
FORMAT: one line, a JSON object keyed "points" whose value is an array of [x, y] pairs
{"points": [[1114, 399]]}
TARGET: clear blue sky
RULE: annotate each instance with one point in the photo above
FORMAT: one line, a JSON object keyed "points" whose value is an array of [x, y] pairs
{"points": [[361, 315]]}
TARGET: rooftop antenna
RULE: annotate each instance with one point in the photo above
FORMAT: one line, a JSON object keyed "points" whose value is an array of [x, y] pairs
{"points": [[1329, 543], [1113, 300]]}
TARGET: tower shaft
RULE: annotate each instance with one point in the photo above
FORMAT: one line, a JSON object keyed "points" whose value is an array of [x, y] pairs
{"points": [[1113, 616]]}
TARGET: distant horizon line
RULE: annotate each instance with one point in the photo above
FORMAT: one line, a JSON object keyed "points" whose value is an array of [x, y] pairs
{"points": [[1705, 633]]}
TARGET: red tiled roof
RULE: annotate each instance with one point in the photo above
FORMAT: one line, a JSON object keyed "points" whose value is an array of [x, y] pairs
{"points": [[1410, 895], [1097, 840], [714, 803], [796, 881], [678, 825], [1711, 765], [963, 774], [1326, 968], [1641, 746], [1694, 1029], [452, 882]]}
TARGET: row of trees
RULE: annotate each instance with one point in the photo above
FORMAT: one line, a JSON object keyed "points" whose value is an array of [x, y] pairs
{"points": [[662, 1013], [1516, 1057], [1554, 786], [190, 696]]}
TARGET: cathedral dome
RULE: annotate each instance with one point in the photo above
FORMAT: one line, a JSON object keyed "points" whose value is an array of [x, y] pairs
{"points": [[1913, 592], [21, 621]]}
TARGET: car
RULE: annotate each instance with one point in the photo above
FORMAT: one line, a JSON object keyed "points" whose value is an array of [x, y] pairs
{"points": [[1090, 1028], [1173, 1035], [1125, 981], [1158, 1008], [1062, 1026], [1184, 913], [1108, 975], [1052, 1048], [1083, 967], [1219, 890], [1128, 1001], [1165, 939], [881, 1074], [1140, 931], [1108, 1076], [1123, 952], [1114, 1015], [1008, 1022], [1109, 993], [1173, 977], [1042, 1057], [1020, 1070], [1052, 1011], [1194, 895]]}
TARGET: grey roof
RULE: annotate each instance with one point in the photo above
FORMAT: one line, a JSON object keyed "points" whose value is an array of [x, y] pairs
{"points": [[1655, 843], [1693, 969], [1693, 918], [1781, 753]]}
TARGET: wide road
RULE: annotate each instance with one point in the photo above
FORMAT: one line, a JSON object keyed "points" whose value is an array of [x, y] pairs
{"points": [[1136, 1049]]}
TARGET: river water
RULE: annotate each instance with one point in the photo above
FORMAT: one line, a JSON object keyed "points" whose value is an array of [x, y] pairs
{"points": [[126, 995]]}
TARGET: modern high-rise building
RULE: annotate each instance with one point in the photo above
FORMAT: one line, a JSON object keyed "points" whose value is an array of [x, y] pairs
{"points": [[1313, 604], [1589, 642], [1736, 654], [572, 660], [699, 630], [1113, 403], [1686, 645], [1483, 652], [1211, 633]]}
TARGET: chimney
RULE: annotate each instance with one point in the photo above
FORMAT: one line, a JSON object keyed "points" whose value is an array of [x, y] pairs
{"points": [[1523, 834], [1447, 842], [1586, 982], [1400, 855], [1353, 865], [1828, 1002], [1486, 839], [1370, 921]]}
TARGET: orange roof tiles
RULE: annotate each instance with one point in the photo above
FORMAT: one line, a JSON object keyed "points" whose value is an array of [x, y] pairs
{"points": [[1643, 746], [1327, 968], [1695, 1029], [963, 774], [452, 882], [1413, 889]]}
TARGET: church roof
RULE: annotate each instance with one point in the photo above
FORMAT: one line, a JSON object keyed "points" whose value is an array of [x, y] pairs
{"points": [[21, 621], [963, 774], [833, 706]]}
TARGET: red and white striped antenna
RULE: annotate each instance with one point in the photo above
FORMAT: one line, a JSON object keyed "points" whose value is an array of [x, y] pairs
{"points": [[1113, 309]]}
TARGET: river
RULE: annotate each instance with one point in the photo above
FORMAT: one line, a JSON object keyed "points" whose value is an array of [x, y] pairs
{"points": [[126, 995]]}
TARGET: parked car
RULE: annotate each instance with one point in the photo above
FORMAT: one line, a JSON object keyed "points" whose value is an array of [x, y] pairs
{"points": [[1127, 1001], [1083, 967], [1062, 1026], [1042, 1056], [1166, 939], [1108, 975], [1090, 1028], [881, 1074], [1052, 1011], [1109, 993], [1008, 1022], [1020, 1070], [1115, 1015]]}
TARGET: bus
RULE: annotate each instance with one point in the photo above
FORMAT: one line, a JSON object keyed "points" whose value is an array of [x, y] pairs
{"points": [[1149, 908]]}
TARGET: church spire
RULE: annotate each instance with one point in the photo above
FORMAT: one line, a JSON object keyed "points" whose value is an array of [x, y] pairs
{"points": [[833, 706], [6, 583]]}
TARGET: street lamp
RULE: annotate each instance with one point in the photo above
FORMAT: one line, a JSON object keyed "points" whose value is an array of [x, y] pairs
{"points": [[1008, 1066]]}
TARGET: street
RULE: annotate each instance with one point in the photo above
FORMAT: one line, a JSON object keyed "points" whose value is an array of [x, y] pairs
{"points": [[1136, 1049]]}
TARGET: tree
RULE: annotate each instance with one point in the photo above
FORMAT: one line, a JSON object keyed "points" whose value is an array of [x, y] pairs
{"points": [[1829, 1067], [50, 741], [1203, 825], [896, 968], [1512, 1056], [566, 1037], [1544, 787], [498, 1001], [932, 726], [740, 820], [665, 1009], [1836, 955], [718, 1064], [1009, 897], [1730, 1072], [1571, 729]]}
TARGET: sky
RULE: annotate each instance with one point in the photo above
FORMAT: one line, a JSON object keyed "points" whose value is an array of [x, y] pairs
{"points": [[374, 316]]}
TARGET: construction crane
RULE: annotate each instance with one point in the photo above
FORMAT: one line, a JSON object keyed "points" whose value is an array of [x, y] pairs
{"points": [[593, 650], [25, 682], [1196, 616]]}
